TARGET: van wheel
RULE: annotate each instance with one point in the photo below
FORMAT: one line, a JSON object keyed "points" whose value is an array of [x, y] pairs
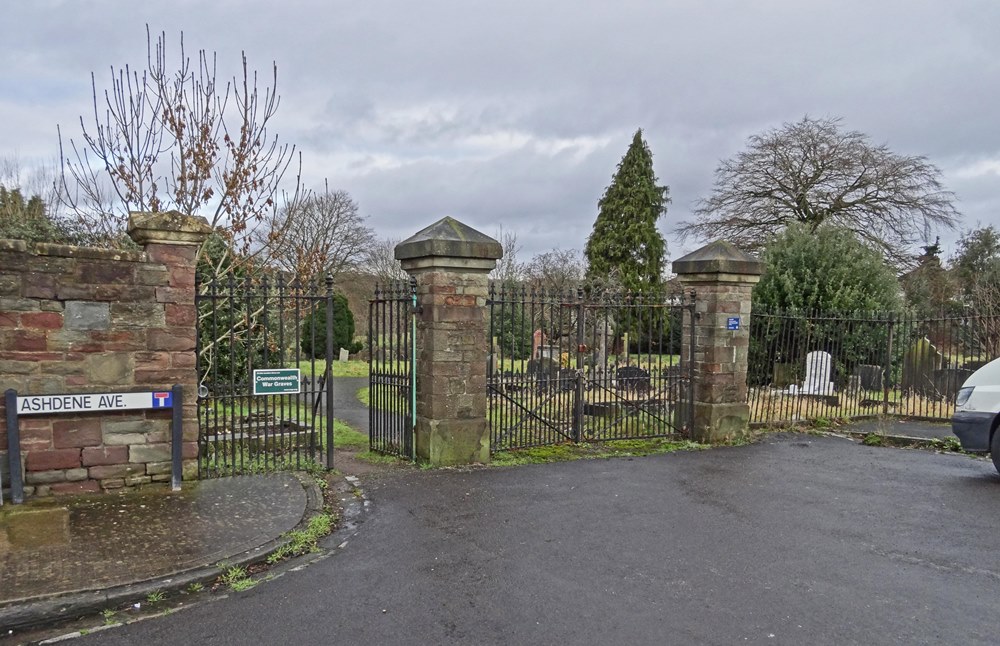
{"points": [[995, 446]]}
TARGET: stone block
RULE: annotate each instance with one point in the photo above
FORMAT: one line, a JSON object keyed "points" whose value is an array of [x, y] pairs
{"points": [[134, 481], [53, 459], [76, 488], [106, 272], [114, 471], [42, 320], [83, 315], [152, 275], [76, 433], [72, 475], [26, 367], [140, 453], [104, 455], [129, 425], [172, 339], [719, 422], [158, 468], [124, 439], [29, 529], [15, 304], [113, 483], [113, 369], [129, 315], [451, 442], [180, 314], [45, 477]]}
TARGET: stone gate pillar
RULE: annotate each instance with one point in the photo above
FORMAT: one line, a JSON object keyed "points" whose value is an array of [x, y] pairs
{"points": [[722, 277], [173, 239], [451, 263]]}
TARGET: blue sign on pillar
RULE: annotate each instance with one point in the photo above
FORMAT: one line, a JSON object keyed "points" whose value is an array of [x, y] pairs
{"points": [[733, 323]]}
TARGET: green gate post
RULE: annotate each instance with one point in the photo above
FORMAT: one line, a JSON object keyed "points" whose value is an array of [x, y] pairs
{"points": [[451, 263], [723, 278]]}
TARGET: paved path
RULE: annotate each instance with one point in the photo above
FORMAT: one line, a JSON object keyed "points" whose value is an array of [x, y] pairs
{"points": [[346, 406], [796, 540], [50, 547]]}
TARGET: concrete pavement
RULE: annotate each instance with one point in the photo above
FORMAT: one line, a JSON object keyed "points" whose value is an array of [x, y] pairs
{"points": [[63, 557]]}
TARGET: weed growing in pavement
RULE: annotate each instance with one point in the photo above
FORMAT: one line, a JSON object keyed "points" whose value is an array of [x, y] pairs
{"points": [[195, 588], [873, 439], [303, 541], [109, 616], [947, 444], [156, 596], [237, 579]]}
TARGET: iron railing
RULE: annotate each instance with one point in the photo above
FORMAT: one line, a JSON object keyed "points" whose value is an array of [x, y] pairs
{"points": [[815, 365], [569, 366], [391, 370], [253, 324]]}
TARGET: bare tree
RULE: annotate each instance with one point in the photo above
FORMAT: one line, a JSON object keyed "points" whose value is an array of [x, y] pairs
{"points": [[173, 138], [321, 233], [813, 172], [557, 270], [380, 261], [508, 269]]}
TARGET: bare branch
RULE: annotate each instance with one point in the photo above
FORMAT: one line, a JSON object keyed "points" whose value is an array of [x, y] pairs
{"points": [[813, 172]]}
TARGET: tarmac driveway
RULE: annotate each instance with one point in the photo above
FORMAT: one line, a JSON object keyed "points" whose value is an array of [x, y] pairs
{"points": [[796, 540]]}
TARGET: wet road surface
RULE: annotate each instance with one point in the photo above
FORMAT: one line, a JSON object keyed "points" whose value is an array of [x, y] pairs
{"points": [[796, 540]]}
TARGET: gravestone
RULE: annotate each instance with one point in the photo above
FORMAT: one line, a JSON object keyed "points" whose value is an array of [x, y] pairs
{"points": [[817, 381], [870, 376], [344, 354], [947, 382], [543, 366], [919, 363], [783, 375], [632, 379]]}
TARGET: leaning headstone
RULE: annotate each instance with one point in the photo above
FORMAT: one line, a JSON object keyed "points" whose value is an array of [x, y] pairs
{"points": [[919, 363], [870, 376], [947, 382], [344, 354]]}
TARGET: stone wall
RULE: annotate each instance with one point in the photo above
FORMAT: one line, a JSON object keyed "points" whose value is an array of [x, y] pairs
{"points": [[78, 320]]}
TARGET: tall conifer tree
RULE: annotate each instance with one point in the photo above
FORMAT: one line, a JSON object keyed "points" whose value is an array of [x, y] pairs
{"points": [[625, 245]]}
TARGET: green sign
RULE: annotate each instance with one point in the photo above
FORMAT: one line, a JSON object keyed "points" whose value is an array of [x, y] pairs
{"points": [[276, 381]]}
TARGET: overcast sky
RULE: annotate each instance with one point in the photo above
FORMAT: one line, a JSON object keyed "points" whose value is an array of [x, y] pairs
{"points": [[516, 113]]}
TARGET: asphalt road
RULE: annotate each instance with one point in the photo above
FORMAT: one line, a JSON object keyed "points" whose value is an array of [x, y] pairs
{"points": [[797, 540]]}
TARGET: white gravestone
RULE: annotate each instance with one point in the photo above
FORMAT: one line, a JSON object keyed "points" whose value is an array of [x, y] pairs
{"points": [[344, 354], [817, 381]]}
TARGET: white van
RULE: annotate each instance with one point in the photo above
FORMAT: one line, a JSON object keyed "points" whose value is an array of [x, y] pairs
{"points": [[977, 412]]}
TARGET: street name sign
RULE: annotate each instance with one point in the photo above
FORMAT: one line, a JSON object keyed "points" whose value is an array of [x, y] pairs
{"points": [[92, 402]]}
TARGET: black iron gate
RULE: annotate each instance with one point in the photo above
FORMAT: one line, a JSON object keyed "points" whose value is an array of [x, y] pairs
{"points": [[570, 367], [391, 368], [265, 397]]}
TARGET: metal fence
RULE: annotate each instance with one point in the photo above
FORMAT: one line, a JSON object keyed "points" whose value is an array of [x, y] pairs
{"points": [[813, 365], [247, 326], [390, 380], [567, 366]]}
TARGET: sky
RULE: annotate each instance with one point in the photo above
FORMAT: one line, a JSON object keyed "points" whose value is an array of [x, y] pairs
{"points": [[515, 114]]}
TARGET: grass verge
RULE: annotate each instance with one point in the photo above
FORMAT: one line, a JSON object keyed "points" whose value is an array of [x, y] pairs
{"points": [[588, 451]]}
